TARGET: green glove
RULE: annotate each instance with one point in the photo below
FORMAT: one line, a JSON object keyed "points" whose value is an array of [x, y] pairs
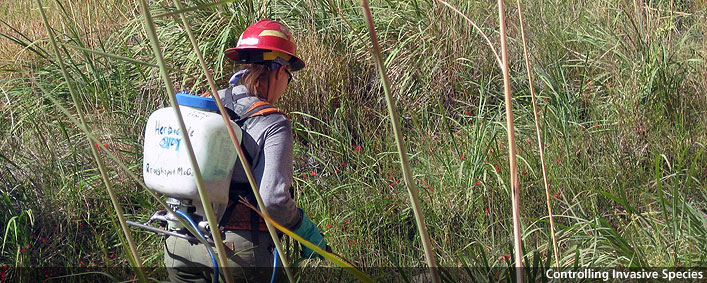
{"points": [[309, 232]]}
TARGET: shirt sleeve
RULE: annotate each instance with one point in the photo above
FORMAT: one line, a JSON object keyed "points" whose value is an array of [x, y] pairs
{"points": [[275, 168]]}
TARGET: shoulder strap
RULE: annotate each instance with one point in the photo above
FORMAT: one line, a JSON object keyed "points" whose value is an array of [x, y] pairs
{"points": [[232, 114], [229, 92], [257, 108], [261, 108]]}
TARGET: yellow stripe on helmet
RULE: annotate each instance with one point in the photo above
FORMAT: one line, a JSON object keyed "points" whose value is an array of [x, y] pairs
{"points": [[272, 55], [271, 32]]}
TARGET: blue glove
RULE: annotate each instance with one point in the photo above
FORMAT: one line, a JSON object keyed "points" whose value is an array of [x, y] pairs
{"points": [[309, 232]]}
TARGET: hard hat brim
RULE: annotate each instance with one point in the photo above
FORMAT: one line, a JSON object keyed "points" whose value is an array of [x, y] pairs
{"points": [[236, 53]]}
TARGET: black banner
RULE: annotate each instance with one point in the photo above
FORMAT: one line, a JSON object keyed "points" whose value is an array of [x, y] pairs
{"points": [[377, 274]]}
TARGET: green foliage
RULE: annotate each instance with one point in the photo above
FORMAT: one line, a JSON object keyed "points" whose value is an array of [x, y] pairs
{"points": [[621, 97]]}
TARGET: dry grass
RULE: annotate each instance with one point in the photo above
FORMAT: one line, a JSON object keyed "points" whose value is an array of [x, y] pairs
{"points": [[94, 18]]}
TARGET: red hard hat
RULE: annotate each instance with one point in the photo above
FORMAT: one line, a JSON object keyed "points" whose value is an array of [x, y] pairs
{"points": [[265, 41]]}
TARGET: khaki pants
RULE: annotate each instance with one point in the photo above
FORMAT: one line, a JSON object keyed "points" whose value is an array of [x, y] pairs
{"points": [[190, 262]]}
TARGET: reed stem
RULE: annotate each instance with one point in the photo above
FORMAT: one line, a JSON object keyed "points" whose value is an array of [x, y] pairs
{"points": [[206, 203], [236, 143], [404, 163], [132, 249], [540, 137], [515, 185]]}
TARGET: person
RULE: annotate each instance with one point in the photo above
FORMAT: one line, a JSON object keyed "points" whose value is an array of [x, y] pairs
{"points": [[269, 56]]}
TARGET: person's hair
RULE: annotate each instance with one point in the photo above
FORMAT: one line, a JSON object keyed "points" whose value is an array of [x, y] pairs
{"points": [[257, 74]]}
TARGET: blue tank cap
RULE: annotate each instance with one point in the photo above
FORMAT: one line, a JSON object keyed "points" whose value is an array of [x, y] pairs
{"points": [[187, 99]]}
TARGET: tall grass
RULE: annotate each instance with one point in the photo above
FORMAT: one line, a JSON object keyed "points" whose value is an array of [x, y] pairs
{"points": [[402, 148], [622, 104], [135, 261], [541, 150]]}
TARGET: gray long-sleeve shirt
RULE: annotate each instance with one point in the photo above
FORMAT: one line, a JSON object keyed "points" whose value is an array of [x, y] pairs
{"points": [[269, 140]]}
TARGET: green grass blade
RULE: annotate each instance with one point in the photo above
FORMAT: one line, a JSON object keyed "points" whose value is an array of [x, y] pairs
{"points": [[402, 151]]}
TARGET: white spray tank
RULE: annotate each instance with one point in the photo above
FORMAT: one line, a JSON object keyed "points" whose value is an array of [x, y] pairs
{"points": [[166, 166]]}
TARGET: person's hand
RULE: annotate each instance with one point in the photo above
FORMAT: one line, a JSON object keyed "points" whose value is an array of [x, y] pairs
{"points": [[309, 232], [205, 94]]}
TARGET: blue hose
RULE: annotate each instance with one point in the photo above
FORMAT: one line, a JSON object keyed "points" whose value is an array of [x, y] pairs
{"points": [[213, 259], [275, 260]]}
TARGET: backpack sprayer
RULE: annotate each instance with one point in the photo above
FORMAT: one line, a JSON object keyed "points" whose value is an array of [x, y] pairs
{"points": [[166, 166], [167, 170]]}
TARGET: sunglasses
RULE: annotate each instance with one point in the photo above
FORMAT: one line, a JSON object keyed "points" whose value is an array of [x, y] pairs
{"points": [[289, 76]]}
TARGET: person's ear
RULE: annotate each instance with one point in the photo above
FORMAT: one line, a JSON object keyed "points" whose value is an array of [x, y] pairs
{"points": [[280, 72]]}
